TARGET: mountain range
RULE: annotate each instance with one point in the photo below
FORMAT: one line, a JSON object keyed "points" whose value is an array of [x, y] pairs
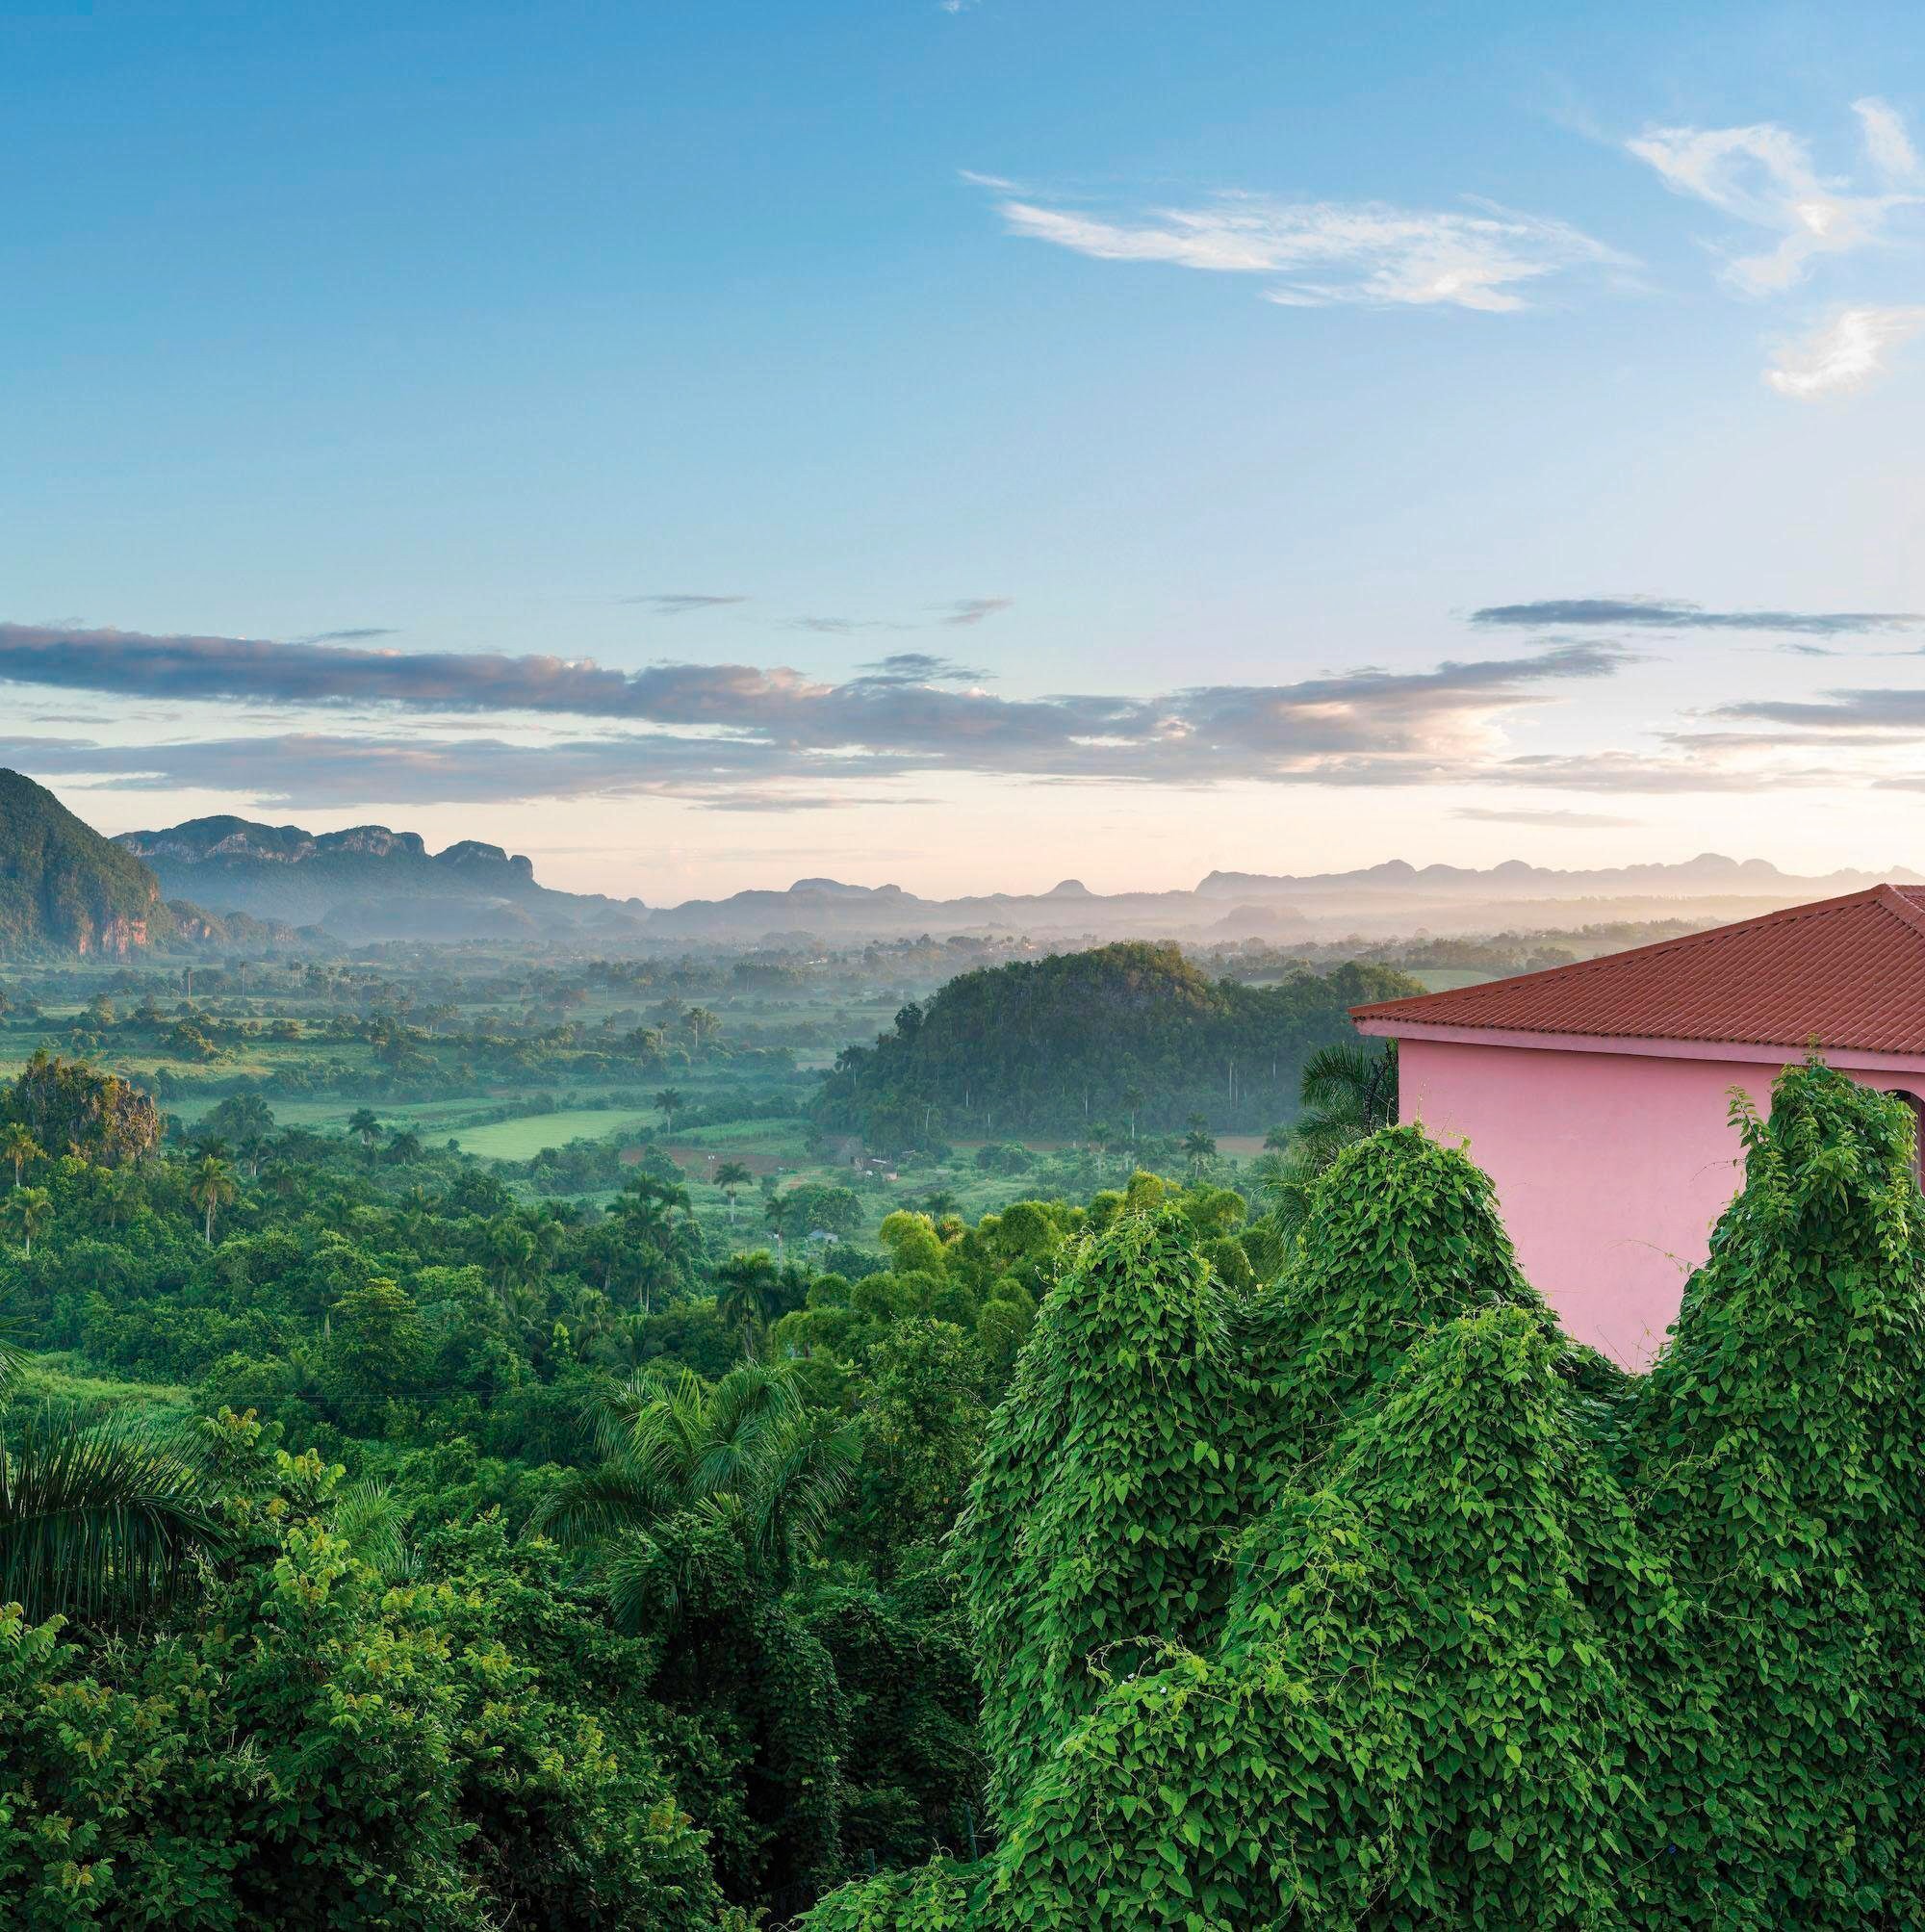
{"points": [[369, 882], [66, 887]]}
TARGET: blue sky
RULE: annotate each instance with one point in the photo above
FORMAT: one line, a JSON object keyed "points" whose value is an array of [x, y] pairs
{"points": [[974, 445]]}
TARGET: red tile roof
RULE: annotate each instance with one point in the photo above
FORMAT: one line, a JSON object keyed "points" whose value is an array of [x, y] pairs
{"points": [[1847, 973]]}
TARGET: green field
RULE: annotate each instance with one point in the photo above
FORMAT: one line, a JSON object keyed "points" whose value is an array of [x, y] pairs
{"points": [[522, 1140]]}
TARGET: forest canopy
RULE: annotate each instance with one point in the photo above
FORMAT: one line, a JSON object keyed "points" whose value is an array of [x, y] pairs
{"points": [[1132, 1035]]}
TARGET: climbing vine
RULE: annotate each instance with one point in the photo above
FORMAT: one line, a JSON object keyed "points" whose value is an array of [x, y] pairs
{"points": [[1368, 1599]]}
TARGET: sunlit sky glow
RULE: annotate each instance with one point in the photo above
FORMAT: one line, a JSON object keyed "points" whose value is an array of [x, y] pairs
{"points": [[970, 445]]}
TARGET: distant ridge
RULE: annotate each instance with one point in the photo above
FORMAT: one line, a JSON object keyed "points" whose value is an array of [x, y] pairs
{"points": [[1372, 900], [1709, 871], [370, 882]]}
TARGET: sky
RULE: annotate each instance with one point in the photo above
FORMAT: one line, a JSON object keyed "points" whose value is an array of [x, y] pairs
{"points": [[970, 443]]}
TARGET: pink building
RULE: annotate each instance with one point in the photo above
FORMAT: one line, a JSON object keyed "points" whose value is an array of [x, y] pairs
{"points": [[1596, 1095]]}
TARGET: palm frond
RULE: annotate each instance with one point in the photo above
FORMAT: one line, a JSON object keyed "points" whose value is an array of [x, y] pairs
{"points": [[1337, 1077], [807, 1475], [372, 1521], [100, 1517], [590, 1504]]}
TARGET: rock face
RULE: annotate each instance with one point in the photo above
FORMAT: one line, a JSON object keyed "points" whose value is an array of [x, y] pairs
{"points": [[67, 1106], [63, 887]]}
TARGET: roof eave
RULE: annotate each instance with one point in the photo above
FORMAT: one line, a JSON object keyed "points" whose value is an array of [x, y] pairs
{"points": [[1848, 1059]]}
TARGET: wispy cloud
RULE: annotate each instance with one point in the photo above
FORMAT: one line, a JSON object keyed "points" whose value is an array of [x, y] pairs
{"points": [[1763, 177], [1668, 613], [1843, 354], [921, 667], [1887, 143], [1322, 252], [681, 602], [366, 634], [974, 609], [1567, 821], [844, 627], [1629, 771]]}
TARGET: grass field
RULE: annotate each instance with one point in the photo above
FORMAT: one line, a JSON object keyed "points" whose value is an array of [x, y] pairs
{"points": [[522, 1140]]}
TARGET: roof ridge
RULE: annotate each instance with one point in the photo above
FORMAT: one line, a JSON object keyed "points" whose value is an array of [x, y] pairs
{"points": [[1894, 900], [1849, 970]]}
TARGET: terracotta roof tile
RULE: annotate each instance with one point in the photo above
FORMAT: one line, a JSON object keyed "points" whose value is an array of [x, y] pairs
{"points": [[1846, 972]]}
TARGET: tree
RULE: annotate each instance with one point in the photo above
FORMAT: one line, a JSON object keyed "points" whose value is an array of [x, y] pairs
{"points": [[28, 1210], [365, 1127], [211, 1189], [670, 1100], [730, 1177], [240, 1117], [705, 1025], [658, 1231], [816, 1207], [377, 1347], [922, 1429], [746, 1451], [750, 1294], [1132, 1097], [18, 1145], [1198, 1145], [1348, 1092], [511, 1247]]}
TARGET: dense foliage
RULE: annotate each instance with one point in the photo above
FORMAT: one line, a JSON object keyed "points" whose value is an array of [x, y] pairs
{"points": [[762, 1533], [1511, 1639], [1131, 1033]]}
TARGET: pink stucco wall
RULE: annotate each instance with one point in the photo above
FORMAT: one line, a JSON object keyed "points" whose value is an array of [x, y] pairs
{"points": [[1610, 1167]]}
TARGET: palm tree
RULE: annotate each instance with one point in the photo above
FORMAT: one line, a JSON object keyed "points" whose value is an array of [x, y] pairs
{"points": [[28, 1210], [211, 1189], [124, 1193], [939, 1202], [511, 1247], [1348, 1092], [97, 1515], [366, 1128], [728, 1177], [745, 1452], [670, 1100], [704, 1025], [748, 1294], [1133, 1100], [405, 1146], [18, 1145], [1198, 1144]]}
